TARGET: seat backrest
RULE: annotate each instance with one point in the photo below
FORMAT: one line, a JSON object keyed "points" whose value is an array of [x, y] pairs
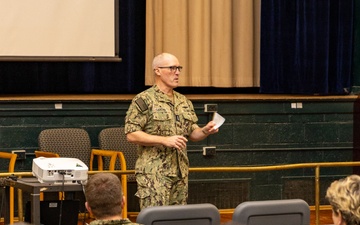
{"points": [[191, 214], [114, 138], [67, 142], [279, 212]]}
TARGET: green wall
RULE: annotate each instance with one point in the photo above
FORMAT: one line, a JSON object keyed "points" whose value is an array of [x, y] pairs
{"points": [[257, 131]]}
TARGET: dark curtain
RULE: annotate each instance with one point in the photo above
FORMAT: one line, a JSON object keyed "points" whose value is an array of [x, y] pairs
{"points": [[306, 46], [356, 85], [87, 77], [356, 61]]}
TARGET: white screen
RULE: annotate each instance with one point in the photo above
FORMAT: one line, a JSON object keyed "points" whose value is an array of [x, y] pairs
{"points": [[60, 28]]}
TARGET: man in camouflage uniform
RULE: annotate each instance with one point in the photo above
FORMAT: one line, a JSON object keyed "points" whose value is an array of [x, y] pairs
{"points": [[105, 199], [161, 120]]}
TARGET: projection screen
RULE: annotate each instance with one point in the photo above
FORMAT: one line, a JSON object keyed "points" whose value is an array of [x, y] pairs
{"points": [[58, 29]]}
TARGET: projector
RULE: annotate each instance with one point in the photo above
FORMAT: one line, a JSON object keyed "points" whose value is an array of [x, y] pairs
{"points": [[59, 170]]}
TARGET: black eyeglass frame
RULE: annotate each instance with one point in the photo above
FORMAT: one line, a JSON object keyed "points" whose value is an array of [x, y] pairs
{"points": [[172, 68]]}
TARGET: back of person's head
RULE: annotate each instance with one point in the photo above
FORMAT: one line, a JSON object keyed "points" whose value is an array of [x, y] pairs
{"points": [[104, 195], [344, 197]]}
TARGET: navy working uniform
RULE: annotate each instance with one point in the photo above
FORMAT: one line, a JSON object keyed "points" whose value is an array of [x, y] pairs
{"points": [[161, 172], [112, 222]]}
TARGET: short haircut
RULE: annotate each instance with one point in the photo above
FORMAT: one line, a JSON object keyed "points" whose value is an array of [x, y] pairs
{"points": [[159, 59], [104, 195]]}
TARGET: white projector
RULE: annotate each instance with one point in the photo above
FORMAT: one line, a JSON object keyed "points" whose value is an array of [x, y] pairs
{"points": [[59, 170]]}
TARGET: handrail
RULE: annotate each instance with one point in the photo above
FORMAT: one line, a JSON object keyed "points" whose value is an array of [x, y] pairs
{"points": [[316, 165]]}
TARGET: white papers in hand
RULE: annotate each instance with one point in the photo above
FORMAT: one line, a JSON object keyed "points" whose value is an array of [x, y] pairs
{"points": [[218, 120]]}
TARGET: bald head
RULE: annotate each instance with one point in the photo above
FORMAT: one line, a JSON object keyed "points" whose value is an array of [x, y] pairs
{"points": [[162, 59]]}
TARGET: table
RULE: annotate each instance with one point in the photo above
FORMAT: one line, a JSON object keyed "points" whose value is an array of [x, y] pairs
{"points": [[34, 187]]}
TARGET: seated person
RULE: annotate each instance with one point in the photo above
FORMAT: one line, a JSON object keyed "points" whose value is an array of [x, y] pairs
{"points": [[344, 198], [105, 199]]}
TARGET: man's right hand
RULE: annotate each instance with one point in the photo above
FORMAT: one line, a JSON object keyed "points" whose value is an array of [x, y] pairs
{"points": [[177, 141]]}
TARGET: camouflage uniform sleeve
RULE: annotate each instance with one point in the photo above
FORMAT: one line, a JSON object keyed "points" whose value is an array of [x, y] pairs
{"points": [[136, 116], [194, 117]]}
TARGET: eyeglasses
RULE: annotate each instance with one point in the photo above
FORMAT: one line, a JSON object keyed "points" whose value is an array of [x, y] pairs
{"points": [[172, 68]]}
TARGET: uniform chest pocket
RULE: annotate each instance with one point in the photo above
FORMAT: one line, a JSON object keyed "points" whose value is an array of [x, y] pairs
{"points": [[162, 123], [161, 115], [186, 123]]}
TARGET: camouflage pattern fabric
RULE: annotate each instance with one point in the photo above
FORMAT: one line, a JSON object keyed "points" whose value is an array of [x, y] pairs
{"points": [[155, 113], [112, 222], [155, 190]]}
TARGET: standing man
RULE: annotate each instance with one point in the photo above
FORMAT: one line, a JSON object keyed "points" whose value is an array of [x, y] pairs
{"points": [[161, 120], [105, 199]]}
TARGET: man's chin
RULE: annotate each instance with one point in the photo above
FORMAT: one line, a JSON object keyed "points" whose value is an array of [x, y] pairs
{"points": [[175, 84]]}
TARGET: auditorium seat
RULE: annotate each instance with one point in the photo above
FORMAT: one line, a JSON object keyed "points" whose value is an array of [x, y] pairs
{"points": [[66, 142], [191, 214], [114, 138], [76, 143], [279, 212]]}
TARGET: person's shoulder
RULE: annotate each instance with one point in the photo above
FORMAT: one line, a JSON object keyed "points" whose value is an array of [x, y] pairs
{"points": [[128, 222], [146, 94], [144, 99], [113, 222]]}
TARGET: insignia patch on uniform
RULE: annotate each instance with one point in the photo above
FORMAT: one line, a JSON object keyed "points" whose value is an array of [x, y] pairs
{"points": [[141, 104]]}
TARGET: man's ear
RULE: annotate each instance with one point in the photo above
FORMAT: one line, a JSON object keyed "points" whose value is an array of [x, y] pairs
{"points": [[88, 207], [123, 202], [157, 71]]}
